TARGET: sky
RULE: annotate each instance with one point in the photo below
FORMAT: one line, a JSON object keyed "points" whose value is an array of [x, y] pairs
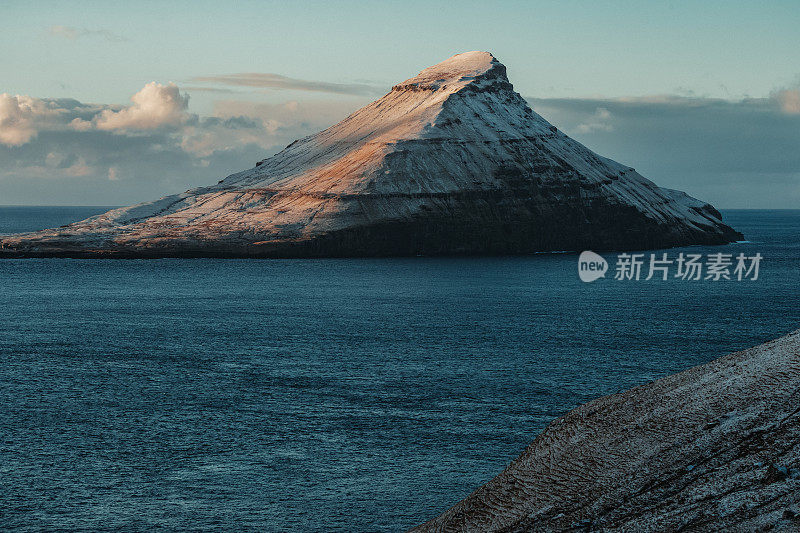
{"points": [[112, 103]]}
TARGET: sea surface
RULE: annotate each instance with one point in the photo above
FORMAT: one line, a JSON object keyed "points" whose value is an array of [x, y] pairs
{"points": [[321, 395]]}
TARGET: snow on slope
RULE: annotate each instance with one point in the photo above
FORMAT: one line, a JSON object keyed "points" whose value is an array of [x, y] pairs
{"points": [[456, 128], [713, 448]]}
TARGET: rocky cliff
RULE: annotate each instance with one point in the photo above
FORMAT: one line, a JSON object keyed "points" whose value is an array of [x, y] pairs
{"points": [[714, 448], [451, 161]]}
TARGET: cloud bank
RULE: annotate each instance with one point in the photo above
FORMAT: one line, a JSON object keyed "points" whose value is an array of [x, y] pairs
{"points": [[732, 153], [743, 154], [62, 151]]}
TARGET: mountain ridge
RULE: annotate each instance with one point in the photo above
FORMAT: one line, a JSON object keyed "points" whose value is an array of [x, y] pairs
{"points": [[450, 161]]}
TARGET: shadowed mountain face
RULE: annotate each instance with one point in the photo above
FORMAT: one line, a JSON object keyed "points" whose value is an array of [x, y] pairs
{"points": [[451, 161], [714, 448]]}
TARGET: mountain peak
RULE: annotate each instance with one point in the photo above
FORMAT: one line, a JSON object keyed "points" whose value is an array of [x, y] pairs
{"points": [[451, 161], [459, 70]]}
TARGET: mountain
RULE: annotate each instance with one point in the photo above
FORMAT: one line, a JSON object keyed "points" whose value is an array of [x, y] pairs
{"points": [[713, 448], [451, 161]]}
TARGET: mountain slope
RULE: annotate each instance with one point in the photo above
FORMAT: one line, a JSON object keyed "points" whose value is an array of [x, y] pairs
{"points": [[713, 448], [449, 161]]}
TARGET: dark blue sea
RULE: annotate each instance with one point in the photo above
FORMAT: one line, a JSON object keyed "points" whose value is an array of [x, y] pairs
{"points": [[320, 395]]}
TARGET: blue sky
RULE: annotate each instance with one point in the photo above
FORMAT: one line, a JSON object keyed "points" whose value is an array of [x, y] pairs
{"points": [[553, 49], [575, 60]]}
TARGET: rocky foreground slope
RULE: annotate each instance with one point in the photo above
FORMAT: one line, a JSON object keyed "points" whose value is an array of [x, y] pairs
{"points": [[714, 448], [450, 161]]}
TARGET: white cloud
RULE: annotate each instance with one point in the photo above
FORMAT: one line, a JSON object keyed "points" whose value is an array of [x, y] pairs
{"points": [[112, 154], [22, 117], [16, 120], [78, 124], [164, 108], [205, 140], [238, 123], [788, 100], [155, 106], [599, 121]]}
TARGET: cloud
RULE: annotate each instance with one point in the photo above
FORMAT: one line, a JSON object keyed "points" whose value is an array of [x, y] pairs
{"points": [[292, 117], [158, 108], [599, 121], [155, 106], [237, 123], [732, 153], [71, 33], [16, 120], [21, 117], [66, 151], [276, 81], [740, 153], [58, 166], [788, 100]]}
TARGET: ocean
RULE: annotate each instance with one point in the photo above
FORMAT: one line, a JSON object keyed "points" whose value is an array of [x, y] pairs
{"points": [[320, 395]]}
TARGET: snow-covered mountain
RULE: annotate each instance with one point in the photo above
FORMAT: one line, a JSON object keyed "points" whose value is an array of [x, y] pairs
{"points": [[450, 161]]}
